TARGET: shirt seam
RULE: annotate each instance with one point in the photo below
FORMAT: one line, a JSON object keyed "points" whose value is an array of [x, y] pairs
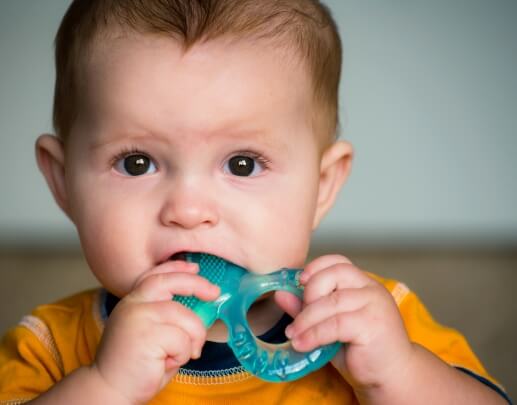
{"points": [[212, 377], [400, 292], [42, 333]]}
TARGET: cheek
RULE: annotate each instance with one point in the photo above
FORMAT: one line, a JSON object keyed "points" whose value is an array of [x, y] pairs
{"points": [[112, 238], [281, 226]]}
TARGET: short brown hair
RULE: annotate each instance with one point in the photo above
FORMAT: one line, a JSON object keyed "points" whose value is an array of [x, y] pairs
{"points": [[307, 26]]}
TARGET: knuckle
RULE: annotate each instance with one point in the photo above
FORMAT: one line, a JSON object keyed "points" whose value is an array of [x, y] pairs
{"points": [[342, 258], [150, 282], [334, 299], [188, 319], [197, 327], [338, 258], [184, 337], [183, 347], [309, 292], [380, 294], [201, 334], [321, 331], [176, 307], [203, 283], [343, 268], [341, 323]]}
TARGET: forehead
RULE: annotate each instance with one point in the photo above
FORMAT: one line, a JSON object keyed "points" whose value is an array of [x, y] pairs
{"points": [[150, 81]]}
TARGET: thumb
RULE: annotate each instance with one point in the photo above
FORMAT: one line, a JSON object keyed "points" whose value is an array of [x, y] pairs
{"points": [[289, 302]]}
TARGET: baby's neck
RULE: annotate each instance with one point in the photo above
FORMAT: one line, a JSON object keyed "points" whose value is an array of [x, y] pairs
{"points": [[262, 316]]}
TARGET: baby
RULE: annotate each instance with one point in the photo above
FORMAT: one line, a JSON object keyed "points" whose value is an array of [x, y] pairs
{"points": [[210, 126]]}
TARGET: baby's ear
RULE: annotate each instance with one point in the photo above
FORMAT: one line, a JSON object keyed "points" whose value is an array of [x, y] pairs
{"points": [[50, 155], [335, 167]]}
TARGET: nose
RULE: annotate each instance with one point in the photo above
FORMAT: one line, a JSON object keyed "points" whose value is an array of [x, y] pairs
{"points": [[189, 207]]}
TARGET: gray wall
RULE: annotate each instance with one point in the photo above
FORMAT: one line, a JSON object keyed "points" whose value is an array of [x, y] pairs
{"points": [[429, 99]]}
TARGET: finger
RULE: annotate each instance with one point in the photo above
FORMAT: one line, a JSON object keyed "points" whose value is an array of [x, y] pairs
{"points": [[174, 313], [288, 302], [177, 266], [335, 277], [174, 346], [163, 286], [345, 327], [171, 266], [346, 300], [321, 263], [170, 371]]}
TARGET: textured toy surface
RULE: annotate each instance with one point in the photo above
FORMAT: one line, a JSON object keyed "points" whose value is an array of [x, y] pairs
{"points": [[239, 289]]}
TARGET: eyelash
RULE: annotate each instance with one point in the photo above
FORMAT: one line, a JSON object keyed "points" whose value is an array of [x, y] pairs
{"points": [[264, 162], [133, 150], [127, 151]]}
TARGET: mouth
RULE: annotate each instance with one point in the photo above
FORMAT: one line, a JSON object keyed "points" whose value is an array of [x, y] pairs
{"points": [[191, 255], [179, 256]]}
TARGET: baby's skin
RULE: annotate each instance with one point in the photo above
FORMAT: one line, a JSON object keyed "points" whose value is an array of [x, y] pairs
{"points": [[157, 163]]}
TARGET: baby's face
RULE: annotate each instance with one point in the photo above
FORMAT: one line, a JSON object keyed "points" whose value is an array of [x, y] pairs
{"points": [[211, 151]]}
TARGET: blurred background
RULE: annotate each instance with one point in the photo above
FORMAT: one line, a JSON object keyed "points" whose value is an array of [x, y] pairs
{"points": [[428, 99]]}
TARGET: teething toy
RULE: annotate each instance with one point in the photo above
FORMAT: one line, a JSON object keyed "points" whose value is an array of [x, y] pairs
{"points": [[239, 289]]}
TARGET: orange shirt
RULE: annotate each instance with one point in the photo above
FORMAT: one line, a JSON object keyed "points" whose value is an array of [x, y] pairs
{"points": [[58, 338]]}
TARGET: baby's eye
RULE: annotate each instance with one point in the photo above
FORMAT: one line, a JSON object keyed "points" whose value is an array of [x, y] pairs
{"points": [[245, 166], [135, 165]]}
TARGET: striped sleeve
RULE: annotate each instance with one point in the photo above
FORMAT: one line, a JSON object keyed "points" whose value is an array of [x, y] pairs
{"points": [[29, 362], [446, 343], [45, 346]]}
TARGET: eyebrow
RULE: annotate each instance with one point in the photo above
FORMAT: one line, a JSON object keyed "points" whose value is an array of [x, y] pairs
{"points": [[121, 136], [224, 131], [263, 135]]}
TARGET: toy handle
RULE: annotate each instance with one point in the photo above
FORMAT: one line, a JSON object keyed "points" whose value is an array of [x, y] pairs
{"points": [[271, 362]]}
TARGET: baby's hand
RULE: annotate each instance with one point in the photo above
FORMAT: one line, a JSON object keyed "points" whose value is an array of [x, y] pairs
{"points": [[148, 336], [342, 303]]}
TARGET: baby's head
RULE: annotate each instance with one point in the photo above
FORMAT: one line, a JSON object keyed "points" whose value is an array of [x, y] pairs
{"points": [[302, 31], [195, 126]]}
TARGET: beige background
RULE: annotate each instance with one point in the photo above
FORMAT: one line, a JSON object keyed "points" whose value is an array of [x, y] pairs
{"points": [[472, 291], [428, 100]]}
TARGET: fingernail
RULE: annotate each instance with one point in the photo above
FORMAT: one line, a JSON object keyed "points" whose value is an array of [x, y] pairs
{"points": [[193, 266], [304, 277], [289, 331]]}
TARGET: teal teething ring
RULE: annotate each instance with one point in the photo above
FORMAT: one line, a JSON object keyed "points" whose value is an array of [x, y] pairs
{"points": [[239, 290]]}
